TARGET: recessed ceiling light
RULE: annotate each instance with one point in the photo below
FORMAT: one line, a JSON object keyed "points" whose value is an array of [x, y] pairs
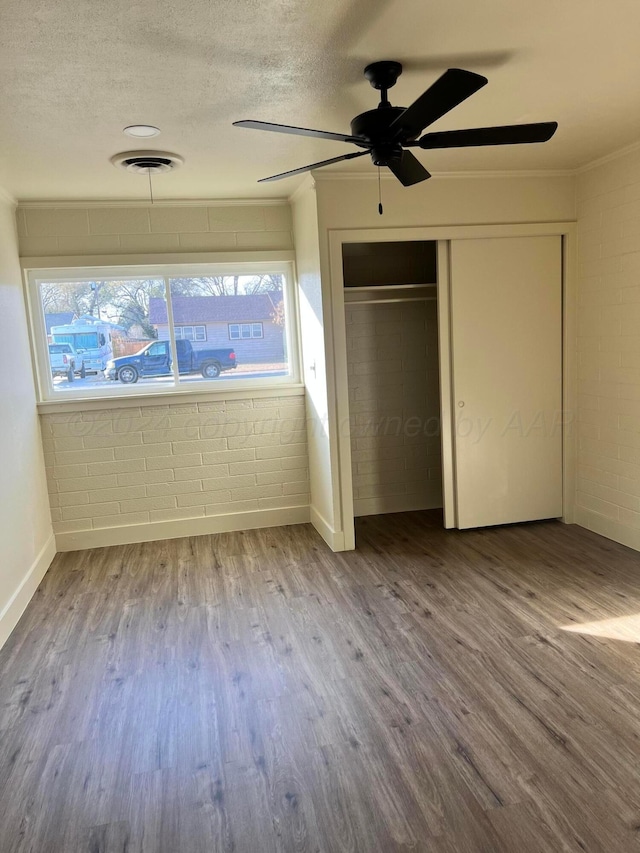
{"points": [[141, 130]]}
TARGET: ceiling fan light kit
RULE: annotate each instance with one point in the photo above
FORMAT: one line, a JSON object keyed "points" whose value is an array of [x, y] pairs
{"points": [[387, 132]]}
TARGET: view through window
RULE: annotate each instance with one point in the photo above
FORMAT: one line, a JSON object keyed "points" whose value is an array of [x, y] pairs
{"points": [[162, 331]]}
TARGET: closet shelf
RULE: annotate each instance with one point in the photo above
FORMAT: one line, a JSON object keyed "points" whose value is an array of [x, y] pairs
{"points": [[384, 287]]}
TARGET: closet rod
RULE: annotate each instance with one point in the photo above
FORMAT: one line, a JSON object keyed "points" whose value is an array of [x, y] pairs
{"points": [[386, 301]]}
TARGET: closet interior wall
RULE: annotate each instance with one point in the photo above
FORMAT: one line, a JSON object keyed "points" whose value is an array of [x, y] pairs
{"points": [[394, 397]]}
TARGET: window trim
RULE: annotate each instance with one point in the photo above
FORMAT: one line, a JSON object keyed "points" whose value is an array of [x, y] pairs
{"points": [[48, 397]]}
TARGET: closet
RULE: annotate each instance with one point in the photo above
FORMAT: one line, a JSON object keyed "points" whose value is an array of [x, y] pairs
{"points": [[391, 322], [454, 372]]}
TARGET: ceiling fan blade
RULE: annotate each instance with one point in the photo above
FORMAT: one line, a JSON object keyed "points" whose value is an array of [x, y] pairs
{"points": [[513, 134], [301, 131], [313, 166], [409, 170], [449, 90]]}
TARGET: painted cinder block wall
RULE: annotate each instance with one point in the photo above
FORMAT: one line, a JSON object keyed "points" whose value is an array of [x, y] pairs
{"points": [[138, 228], [175, 465], [180, 468], [608, 490], [394, 406]]}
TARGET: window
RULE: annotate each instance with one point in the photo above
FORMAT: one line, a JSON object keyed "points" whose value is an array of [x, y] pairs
{"points": [[158, 349], [164, 329], [191, 333], [241, 331], [80, 340]]}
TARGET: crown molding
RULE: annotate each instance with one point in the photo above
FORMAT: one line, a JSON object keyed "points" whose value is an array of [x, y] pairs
{"points": [[608, 158], [329, 175], [7, 197], [307, 183], [166, 202]]}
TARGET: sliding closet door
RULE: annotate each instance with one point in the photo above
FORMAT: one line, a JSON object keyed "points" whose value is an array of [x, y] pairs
{"points": [[506, 366]]}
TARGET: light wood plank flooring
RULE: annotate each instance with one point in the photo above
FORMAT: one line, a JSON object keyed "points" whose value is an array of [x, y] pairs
{"points": [[253, 692]]}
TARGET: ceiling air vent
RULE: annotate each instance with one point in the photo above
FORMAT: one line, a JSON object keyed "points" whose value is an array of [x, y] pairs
{"points": [[147, 162]]}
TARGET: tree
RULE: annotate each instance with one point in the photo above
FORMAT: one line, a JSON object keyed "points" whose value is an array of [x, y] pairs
{"points": [[73, 297], [277, 315], [226, 285], [128, 303], [125, 303]]}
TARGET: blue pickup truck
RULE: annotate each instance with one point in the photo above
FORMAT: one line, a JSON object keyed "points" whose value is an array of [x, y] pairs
{"points": [[155, 360]]}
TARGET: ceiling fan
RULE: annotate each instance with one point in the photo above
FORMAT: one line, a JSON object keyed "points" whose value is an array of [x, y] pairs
{"points": [[386, 132]]}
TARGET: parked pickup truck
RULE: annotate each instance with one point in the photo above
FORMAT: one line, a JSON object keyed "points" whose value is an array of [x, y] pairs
{"points": [[155, 360], [62, 358]]}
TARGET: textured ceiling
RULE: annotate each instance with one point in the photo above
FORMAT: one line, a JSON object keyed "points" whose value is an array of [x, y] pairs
{"points": [[75, 72]]}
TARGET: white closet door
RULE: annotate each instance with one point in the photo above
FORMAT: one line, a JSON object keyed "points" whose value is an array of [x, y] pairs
{"points": [[506, 345]]}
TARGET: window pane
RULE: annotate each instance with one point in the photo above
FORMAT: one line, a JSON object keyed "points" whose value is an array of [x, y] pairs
{"points": [[239, 314], [109, 326]]}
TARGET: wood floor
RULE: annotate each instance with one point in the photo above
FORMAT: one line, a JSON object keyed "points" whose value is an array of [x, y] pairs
{"points": [[255, 693]]}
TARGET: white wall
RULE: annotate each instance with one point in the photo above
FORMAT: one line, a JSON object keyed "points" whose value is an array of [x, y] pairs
{"points": [[312, 298], [26, 540], [353, 202], [608, 492], [148, 471]]}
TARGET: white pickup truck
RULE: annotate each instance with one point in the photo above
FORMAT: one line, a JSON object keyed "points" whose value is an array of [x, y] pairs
{"points": [[62, 358]]}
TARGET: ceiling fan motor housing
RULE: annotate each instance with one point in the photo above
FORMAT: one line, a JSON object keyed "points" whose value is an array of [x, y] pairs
{"points": [[374, 124], [374, 127], [383, 155]]}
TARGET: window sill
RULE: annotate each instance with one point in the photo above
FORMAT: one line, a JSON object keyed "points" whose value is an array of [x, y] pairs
{"points": [[87, 404]]}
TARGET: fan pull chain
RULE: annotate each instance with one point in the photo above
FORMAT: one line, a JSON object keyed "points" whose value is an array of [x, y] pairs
{"points": [[150, 186], [380, 209]]}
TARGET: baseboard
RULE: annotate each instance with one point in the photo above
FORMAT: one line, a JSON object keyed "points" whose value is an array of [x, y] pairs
{"points": [[395, 503], [201, 526], [15, 607], [629, 536], [334, 538]]}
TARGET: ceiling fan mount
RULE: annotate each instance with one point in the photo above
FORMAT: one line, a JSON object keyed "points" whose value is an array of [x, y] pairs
{"points": [[383, 74], [387, 131]]}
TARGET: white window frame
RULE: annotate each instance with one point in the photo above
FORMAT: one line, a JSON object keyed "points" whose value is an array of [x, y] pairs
{"points": [[181, 329], [250, 336], [47, 396]]}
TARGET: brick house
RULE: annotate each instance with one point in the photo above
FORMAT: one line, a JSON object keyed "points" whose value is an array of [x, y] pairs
{"points": [[247, 323]]}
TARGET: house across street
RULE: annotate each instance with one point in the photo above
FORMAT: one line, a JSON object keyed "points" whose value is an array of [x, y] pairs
{"points": [[248, 323]]}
